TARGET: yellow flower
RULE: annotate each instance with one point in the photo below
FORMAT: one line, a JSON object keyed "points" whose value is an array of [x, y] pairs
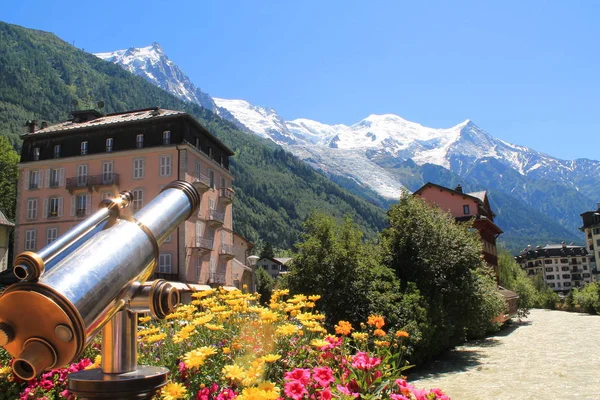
{"points": [[402, 334], [214, 327], [155, 338], [360, 336], [175, 315], [271, 358], [143, 320], [234, 372], [4, 370], [98, 360], [376, 320], [226, 350], [314, 297], [147, 332], [173, 391], [286, 330], [379, 332], [299, 298], [197, 357], [343, 328], [269, 316], [268, 387], [202, 320], [204, 293], [381, 343], [319, 343]]}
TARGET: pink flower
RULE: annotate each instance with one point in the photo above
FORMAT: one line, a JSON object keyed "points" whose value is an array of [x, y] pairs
{"points": [[226, 394], [299, 374], [346, 391], [323, 376], [325, 394], [361, 360], [295, 389], [420, 394], [394, 396], [46, 384]]}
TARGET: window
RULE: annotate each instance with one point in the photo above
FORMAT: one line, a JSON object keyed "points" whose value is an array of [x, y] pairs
{"points": [[165, 165], [549, 269], [36, 153], [167, 137], [169, 238], [585, 267], [53, 206], [564, 260], [139, 141], [35, 180], [558, 284], [164, 263], [198, 170], [106, 195], [107, 172], [223, 183], [32, 208], [84, 148], [567, 284], [198, 267], [82, 175], [550, 277], [51, 235], [598, 242], [138, 199], [30, 239], [81, 205], [210, 153], [57, 151], [138, 168], [211, 204], [211, 177], [213, 265], [586, 275], [564, 268], [54, 177], [566, 276], [197, 143], [547, 261], [109, 145]]}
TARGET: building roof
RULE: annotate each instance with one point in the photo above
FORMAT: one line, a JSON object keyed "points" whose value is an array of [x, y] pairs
{"points": [[480, 196], [116, 119], [507, 294], [4, 221], [281, 260], [551, 250]]}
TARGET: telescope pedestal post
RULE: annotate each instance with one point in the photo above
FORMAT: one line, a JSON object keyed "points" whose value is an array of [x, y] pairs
{"points": [[119, 378]]}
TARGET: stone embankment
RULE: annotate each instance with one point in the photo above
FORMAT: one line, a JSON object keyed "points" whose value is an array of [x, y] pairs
{"points": [[549, 355]]}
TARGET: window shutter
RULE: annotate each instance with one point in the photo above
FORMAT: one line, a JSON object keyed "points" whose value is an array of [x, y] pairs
{"points": [[88, 204], [61, 177], [45, 210], [60, 206], [48, 177], [40, 178], [26, 180], [73, 201]]}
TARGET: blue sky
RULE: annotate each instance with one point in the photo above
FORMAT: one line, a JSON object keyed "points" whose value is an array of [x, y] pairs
{"points": [[526, 72]]}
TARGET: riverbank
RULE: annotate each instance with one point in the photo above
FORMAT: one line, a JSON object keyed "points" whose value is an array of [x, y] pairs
{"points": [[549, 355]]}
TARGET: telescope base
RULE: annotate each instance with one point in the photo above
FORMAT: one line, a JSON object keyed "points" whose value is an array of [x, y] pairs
{"points": [[141, 384]]}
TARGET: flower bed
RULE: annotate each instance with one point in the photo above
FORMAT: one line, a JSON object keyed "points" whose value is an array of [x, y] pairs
{"points": [[223, 346]]}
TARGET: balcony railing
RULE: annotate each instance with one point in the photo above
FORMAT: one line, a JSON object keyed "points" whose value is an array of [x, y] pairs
{"points": [[80, 212], [215, 217], [216, 278], [202, 182], [77, 182], [203, 243], [226, 195], [90, 182], [226, 250]]}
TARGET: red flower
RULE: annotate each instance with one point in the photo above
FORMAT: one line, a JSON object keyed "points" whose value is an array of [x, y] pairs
{"points": [[295, 389], [361, 360], [323, 376], [299, 374], [325, 394]]}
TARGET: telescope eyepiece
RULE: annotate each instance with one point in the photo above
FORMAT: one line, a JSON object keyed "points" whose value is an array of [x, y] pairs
{"points": [[37, 355]]}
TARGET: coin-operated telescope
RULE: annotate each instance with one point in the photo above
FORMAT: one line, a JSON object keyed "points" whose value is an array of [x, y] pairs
{"points": [[92, 278]]}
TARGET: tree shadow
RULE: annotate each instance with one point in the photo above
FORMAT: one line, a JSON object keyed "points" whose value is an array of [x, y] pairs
{"points": [[513, 326]]}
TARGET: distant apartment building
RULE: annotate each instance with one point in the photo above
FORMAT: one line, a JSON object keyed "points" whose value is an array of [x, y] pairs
{"points": [[467, 207], [591, 230], [274, 266], [66, 169], [562, 266]]}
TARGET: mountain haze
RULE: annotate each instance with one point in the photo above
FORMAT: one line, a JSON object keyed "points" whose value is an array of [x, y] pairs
{"points": [[41, 76], [537, 197]]}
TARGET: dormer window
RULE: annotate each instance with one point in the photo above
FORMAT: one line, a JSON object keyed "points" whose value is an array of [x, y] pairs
{"points": [[36, 153], [466, 209], [84, 148], [139, 141], [109, 145], [57, 151], [167, 137]]}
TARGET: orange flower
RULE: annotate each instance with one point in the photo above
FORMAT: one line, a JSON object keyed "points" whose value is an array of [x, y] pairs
{"points": [[376, 320], [402, 334], [343, 328], [379, 332]]}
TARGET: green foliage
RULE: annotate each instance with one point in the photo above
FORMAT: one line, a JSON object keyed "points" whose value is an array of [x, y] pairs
{"points": [[587, 298], [424, 246], [264, 285], [333, 262], [513, 277], [8, 178], [267, 251], [546, 297], [41, 75]]}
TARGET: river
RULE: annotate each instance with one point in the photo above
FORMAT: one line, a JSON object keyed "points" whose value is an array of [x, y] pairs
{"points": [[549, 355]]}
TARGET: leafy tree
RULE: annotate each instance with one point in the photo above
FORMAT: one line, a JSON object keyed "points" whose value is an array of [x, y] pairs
{"points": [[513, 277], [333, 262], [264, 284], [267, 251], [424, 246], [588, 297], [8, 178]]}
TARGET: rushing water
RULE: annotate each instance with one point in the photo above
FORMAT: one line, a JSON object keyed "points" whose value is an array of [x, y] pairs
{"points": [[549, 355]]}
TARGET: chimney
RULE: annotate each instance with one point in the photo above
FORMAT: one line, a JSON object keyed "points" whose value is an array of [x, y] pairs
{"points": [[30, 126], [459, 188], [564, 244]]}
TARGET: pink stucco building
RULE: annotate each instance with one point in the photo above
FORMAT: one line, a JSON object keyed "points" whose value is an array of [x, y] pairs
{"points": [[66, 169]]}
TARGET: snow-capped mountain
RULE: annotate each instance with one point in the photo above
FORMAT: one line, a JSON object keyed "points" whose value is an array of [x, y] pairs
{"points": [[385, 153]]}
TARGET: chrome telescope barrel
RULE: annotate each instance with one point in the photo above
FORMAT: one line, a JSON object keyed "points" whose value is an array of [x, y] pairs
{"points": [[65, 309], [30, 266]]}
